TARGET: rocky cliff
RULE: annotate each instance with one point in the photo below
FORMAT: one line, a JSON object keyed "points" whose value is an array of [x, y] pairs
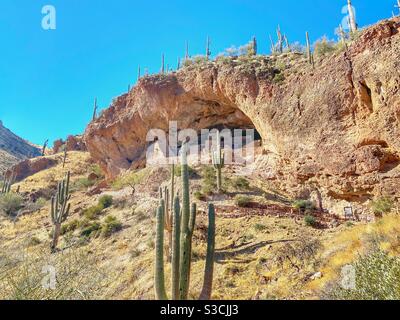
{"points": [[14, 149], [335, 127]]}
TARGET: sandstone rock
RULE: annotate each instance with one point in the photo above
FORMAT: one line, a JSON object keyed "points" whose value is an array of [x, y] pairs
{"points": [[335, 127], [75, 143], [29, 167], [57, 145]]}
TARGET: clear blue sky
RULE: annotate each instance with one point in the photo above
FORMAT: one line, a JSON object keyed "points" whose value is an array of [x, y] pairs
{"points": [[48, 79]]}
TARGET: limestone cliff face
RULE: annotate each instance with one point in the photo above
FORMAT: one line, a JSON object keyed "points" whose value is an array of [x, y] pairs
{"points": [[14, 149], [336, 127]]}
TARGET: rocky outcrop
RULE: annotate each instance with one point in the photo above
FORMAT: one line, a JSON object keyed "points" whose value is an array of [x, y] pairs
{"points": [[335, 127], [73, 143], [29, 167], [14, 149]]}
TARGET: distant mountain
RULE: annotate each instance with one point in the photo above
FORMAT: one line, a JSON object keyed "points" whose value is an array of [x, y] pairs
{"points": [[14, 149]]}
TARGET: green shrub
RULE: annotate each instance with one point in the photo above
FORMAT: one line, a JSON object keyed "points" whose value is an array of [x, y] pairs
{"points": [[91, 230], [324, 46], [106, 201], [376, 278], [241, 183], [310, 221], [278, 78], [178, 172], [199, 196], [70, 226], [93, 212], [130, 178], [259, 227], [242, 201], [303, 205], [10, 203], [82, 184], [381, 206], [111, 225]]}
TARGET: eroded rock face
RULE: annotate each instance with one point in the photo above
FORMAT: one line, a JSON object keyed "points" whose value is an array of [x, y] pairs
{"points": [[29, 167], [335, 127], [73, 143]]}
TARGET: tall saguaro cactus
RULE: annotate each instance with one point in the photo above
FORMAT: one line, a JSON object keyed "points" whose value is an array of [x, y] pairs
{"points": [[94, 110], [168, 194], [310, 55], [44, 147], [208, 52], [60, 207], [218, 160], [183, 223], [352, 17], [7, 182]]}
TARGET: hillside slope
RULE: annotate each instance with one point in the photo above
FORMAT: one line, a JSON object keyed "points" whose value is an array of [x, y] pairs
{"points": [[14, 149]]}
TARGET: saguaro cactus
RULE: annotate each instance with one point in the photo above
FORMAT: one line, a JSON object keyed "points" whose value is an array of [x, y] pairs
{"points": [[352, 17], [163, 64], [60, 207], [183, 223], [253, 47], [8, 182], [44, 147], [208, 52], [218, 160], [94, 110], [310, 55], [138, 74], [280, 39], [65, 155], [168, 194]]}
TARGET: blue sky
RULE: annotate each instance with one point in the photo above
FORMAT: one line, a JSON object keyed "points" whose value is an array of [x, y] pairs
{"points": [[48, 79]]}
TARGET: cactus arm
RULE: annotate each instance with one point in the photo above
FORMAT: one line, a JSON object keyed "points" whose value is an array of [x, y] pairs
{"points": [[209, 268], [175, 250], [159, 265]]}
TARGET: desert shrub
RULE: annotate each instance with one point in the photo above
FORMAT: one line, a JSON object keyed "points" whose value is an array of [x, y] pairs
{"points": [[381, 206], [310, 221], [303, 205], [242, 201], [178, 172], [259, 227], [279, 77], [324, 46], [34, 241], [82, 184], [91, 230], [232, 269], [10, 203], [376, 278], [93, 212], [128, 179], [35, 206], [140, 216], [106, 201], [111, 225], [241, 183], [298, 254], [95, 168], [199, 60], [70, 226], [79, 275], [199, 196]]}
